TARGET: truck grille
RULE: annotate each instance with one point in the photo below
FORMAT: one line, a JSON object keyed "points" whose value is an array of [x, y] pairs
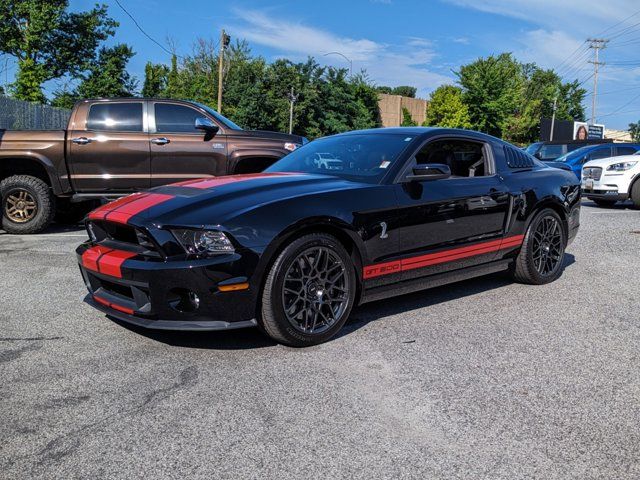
{"points": [[129, 237], [592, 172]]}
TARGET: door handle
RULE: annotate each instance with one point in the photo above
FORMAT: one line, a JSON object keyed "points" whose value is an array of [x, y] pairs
{"points": [[81, 140], [160, 141]]}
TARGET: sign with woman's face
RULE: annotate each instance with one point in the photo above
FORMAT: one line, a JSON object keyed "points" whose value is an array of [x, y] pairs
{"points": [[580, 131]]}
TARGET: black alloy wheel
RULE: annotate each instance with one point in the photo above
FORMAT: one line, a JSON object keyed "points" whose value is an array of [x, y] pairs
{"points": [[547, 248], [309, 291], [315, 290], [541, 256]]}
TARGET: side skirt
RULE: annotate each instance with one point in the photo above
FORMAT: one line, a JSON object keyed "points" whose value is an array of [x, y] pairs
{"points": [[422, 283]]}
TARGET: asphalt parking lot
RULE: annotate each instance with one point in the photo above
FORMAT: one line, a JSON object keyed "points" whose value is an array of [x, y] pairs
{"points": [[481, 379]]}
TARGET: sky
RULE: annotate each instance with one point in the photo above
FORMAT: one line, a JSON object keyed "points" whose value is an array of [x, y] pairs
{"points": [[408, 42]]}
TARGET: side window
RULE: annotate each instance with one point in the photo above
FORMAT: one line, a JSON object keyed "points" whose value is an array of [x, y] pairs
{"points": [[465, 158], [625, 150], [551, 152], [600, 153], [171, 118], [517, 158], [117, 117]]}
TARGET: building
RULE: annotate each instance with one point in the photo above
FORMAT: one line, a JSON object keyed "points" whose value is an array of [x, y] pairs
{"points": [[391, 109], [618, 135]]}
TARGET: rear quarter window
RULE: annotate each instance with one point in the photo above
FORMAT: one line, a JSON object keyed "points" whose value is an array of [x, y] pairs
{"points": [[517, 158]]}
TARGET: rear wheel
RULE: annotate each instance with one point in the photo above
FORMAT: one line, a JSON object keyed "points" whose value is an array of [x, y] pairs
{"points": [[635, 193], [603, 203], [28, 204], [309, 291], [542, 254]]}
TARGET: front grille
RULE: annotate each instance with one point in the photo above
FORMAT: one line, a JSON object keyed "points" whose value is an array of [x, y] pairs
{"points": [[126, 236], [592, 172]]}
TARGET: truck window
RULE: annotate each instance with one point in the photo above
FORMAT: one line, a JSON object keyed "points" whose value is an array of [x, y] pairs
{"points": [[626, 150], [172, 118], [551, 152], [118, 117]]}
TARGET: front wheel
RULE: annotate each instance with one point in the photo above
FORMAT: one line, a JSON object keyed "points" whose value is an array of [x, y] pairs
{"points": [[542, 254], [28, 204], [309, 291]]}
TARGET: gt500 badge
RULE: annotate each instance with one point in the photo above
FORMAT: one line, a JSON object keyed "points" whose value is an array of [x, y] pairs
{"points": [[217, 145]]}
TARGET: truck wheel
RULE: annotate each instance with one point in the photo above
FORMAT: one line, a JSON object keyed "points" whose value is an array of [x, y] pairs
{"points": [[28, 204], [635, 193], [72, 213], [542, 254]]}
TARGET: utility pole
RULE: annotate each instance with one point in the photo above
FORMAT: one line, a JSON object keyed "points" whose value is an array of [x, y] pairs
{"points": [[224, 42], [597, 44], [553, 117], [292, 99]]}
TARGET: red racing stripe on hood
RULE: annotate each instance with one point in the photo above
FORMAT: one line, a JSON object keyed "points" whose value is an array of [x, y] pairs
{"points": [[121, 210], [100, 212]]}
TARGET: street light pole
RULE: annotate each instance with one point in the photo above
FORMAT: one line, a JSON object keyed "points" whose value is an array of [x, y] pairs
{"points": [[292, 99], [345, 57]]}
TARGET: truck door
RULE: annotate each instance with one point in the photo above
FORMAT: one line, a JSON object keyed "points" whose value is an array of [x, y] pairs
{"points": [[108, 151], [178, 150]]}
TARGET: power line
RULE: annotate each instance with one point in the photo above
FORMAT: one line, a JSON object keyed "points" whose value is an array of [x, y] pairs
{"points": [[145, 33], [617, 110]]}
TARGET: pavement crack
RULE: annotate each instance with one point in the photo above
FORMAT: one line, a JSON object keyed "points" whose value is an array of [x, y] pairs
{"points": [[28, 339]]}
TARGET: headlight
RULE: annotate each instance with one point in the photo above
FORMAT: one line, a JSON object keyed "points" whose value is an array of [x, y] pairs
{"points": [[291, 146], [203, 242], [621, 167]]}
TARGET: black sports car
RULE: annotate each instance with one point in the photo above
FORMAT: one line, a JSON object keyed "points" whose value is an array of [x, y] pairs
{"points": [[293, 249]]}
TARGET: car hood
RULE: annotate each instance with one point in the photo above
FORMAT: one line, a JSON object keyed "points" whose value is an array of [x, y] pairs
{"points": [[605, 162], [213, 201]]}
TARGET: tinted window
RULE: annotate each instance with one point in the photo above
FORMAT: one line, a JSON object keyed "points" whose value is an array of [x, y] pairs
{"points": [[626, 150], [360, 157], [600, 153], [120, 117], [172, 118], [551, 152]]}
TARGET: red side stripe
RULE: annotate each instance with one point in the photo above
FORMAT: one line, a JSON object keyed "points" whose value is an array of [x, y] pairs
{"points": [[111, 262], [115, 306], [405, 264]]}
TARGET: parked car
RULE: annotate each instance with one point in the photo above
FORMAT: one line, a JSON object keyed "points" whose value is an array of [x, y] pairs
{"points": [[610, 180], [118, 146], [550, 150], [579, 157], [293, 249], [327, 161]]}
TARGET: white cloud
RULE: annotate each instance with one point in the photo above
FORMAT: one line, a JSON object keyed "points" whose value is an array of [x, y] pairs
{"points": [[406, 64]]}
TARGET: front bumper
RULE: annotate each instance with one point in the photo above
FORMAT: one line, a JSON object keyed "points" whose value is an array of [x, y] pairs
{"points": [[610, 186], [153, 293]]}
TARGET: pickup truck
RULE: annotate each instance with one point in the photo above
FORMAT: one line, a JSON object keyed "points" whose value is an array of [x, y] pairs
{"points": [[113, 147]]}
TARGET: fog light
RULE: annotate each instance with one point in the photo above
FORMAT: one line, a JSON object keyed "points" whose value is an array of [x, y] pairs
{"points": [[183, 300]]}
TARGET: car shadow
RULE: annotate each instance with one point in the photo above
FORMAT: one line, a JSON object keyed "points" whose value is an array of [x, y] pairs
{"points": [[56, 228], [626, 205], [252, 338]]}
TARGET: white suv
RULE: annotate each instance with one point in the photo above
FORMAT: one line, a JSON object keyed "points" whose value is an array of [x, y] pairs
{"points": [[608, 180]]}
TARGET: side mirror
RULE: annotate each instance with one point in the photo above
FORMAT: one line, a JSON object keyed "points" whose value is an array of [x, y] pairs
{"points": [[430, 171], [205, 124], [538, 155]]}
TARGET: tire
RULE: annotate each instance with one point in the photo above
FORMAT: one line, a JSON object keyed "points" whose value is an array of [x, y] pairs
{"points": [[34, 191], [294, 267], [73, 213], [536, 255], [635, 194], [603, 203]]}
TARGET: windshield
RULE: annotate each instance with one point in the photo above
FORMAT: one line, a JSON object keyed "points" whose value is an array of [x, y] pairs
{"points": [[221, 118], [362, 158], [575, 154], [533, 148]]}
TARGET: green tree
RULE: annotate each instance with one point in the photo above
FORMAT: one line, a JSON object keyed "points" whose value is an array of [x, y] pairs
{"points": [[155, 80], [407, 121], [446, 108], [405, 91], [491, 89], [634, 130], [106, 77], [48, 41]]}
